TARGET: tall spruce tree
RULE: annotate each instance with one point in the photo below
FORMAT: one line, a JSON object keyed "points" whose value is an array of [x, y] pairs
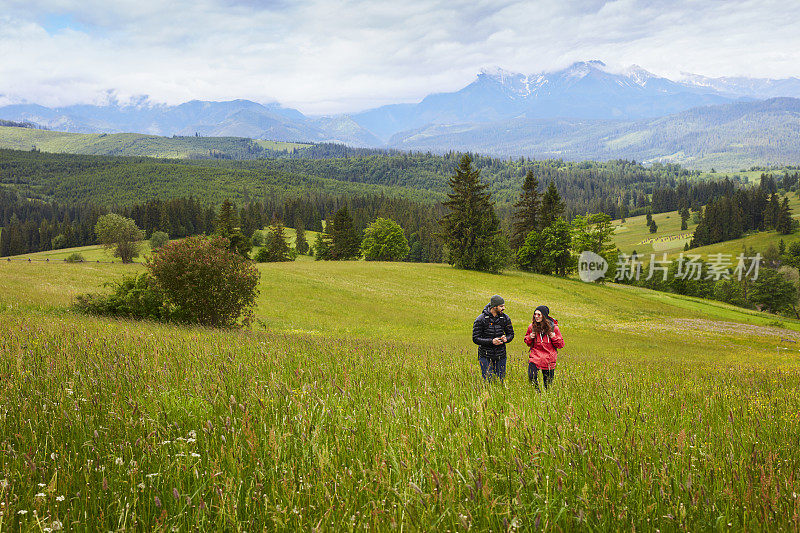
{"points": [[785, 224], [276, 246], [300, 241], [227, 225], [552, 206], [471, 229], [526, 214], [684, 212], [346, 241], [324, 242]]}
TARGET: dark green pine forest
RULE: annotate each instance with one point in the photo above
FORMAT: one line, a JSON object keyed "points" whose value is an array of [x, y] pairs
{"points": [[52, 200]]}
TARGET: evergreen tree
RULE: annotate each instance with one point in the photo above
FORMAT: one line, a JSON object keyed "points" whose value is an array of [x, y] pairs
{"points": [[653, 226], [684, 218], [648, 219], [227, 225], [324, 242], [526, 215], [785, 223], [552, 206], [772, 213], [346, 242], [276, 247], [300, 242], [471, 228]]}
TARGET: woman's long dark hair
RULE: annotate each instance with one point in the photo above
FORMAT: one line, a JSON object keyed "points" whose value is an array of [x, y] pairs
{"points": [[542, 328]]}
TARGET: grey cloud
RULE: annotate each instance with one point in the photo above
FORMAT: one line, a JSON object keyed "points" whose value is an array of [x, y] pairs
{"points": [[338, 55]]}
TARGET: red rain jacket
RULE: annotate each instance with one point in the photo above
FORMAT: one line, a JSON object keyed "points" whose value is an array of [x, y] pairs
{"points": [[543, 348]]}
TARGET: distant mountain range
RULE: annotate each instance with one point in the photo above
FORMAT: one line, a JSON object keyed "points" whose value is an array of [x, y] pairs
{"points": [[583, 111]]}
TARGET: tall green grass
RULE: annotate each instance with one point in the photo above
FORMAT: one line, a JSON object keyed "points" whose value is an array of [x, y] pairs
{"points": [[357, 404]]}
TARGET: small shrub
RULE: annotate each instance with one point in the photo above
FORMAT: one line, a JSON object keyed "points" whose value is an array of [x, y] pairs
{"points": [[207, 283], [74, 257], [158, 239], [132, 297]]}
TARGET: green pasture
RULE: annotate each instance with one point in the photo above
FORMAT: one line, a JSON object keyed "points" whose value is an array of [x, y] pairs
{"points": [[280, 145], [355, 403], [128, 144], [634, 234]]}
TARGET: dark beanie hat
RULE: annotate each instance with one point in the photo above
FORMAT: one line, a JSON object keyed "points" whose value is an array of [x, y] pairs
{"points": [[545, 311], [496, 300]]}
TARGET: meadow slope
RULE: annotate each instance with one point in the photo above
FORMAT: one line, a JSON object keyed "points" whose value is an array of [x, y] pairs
{"points": [[355, 404]]}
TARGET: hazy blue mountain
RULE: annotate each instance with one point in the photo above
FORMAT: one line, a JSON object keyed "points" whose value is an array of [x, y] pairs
{"points": [[586, 90], [760, 88], [499, 112], [238, 118], [728, 136]]}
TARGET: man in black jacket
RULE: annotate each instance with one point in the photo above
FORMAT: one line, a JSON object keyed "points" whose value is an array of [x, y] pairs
{"points": [[491, 331]]}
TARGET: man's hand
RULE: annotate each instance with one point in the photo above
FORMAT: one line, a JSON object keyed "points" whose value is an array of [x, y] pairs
{"points": [[497, 340], [503, 338]]}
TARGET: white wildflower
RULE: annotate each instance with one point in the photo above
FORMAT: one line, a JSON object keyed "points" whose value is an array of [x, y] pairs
{"points": [[22, 511], [119, 461], [59, 498], [40, 495]]}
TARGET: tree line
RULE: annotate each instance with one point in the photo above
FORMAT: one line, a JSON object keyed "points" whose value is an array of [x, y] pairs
{"points": [[737, 211]]}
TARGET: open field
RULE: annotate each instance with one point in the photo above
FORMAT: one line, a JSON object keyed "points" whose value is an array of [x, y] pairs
{"points": [[355, 404], [130, 144], [98, 253], [634, 235]]}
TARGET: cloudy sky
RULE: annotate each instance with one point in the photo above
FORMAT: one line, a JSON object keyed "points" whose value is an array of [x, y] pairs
{"points": [[329, 56]]}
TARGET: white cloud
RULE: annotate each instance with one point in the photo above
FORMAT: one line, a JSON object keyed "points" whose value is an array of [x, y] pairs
{"points": [[326, 56]]}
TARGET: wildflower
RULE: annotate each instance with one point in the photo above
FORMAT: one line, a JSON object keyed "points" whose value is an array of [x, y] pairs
{"points": [[119, 461], [3, 484], [195, 454], [40, 495], [56, 525], [54, 456], [176, 493], [41, 485], [59, 498], [157, 501], [22, 511], [192, 434], [141, 486]]}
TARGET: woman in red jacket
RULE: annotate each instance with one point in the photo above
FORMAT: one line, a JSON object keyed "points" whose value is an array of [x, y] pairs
{"points": [[544, 338]]}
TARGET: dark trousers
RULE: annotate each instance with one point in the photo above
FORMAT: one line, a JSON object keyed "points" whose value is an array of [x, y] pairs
{"points": [[493, 367], [547, 375]]}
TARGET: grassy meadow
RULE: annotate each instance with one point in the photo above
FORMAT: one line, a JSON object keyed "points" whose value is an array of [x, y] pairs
{"points": [[128, 144], [355, 404], [634, 235]]}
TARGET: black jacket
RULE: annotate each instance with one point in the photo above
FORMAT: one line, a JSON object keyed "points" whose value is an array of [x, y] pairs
{"points": [[488, 327]]}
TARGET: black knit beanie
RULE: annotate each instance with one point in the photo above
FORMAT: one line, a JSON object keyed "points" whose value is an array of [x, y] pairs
{"points": [[545, 311], [496, 300]]}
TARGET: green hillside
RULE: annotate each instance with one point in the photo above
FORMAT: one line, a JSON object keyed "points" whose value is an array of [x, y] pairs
{"points": [[634, 235], [139, 145], [356, 403]]}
